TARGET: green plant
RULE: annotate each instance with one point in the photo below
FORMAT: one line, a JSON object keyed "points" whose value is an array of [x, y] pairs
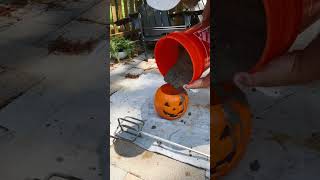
{"points": [[120, 44]]}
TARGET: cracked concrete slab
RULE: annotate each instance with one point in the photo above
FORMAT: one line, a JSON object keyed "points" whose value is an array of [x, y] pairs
{"points": [[147, 65], [141, 164], [119, 71], [76, 31], [97, 13], [15, 55], [22, 34], [148, 165], [131, 177], [60, 124], [134, 73], [117, 173], [42, 21], [14, 83], [80, 29]]}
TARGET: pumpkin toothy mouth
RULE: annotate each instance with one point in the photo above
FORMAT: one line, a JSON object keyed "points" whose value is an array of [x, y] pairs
{"points": [[169, 114], [172, 115]]}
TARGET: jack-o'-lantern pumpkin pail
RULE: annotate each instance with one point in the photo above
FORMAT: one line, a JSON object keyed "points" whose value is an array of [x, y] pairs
{"points": [[230, 129], [170, 103]]}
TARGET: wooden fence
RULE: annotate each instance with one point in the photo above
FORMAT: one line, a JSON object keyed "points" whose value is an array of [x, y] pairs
{"points": [[120, 9]]}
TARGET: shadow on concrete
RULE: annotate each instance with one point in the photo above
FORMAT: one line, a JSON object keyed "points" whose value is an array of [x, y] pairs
{"points": [[30, 115]]}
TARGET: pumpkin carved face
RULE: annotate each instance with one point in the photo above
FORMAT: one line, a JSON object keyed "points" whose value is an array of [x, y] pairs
{"points": [[230, 133], [170, 103]]}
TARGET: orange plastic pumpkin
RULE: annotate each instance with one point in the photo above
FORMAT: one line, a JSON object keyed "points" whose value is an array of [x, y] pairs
{"points": [[230, 133], [170, 103]]}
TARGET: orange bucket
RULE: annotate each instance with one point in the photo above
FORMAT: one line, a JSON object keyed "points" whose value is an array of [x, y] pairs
{"points": [[196, 41], [285, 19]]}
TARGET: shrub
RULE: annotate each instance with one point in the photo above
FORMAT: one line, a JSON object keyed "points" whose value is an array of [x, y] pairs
{"points": [[120, 44]]}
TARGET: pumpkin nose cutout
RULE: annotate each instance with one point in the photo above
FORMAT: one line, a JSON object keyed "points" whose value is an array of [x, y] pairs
{"points": [[174, 109]]}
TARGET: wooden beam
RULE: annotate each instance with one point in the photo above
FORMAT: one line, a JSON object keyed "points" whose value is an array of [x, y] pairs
{"points": [[119, 9], [126, 13], [125, 5], [114, 18]]}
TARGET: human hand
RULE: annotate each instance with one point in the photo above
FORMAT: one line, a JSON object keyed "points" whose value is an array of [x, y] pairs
{"points": [[281, 71], [200, 83], [244, 80]]}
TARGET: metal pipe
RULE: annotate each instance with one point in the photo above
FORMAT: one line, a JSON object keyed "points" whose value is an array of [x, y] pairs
{"points": [[175, 144]]}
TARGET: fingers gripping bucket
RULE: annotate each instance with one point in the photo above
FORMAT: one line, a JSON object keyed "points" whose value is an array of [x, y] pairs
{"points": [[196, 42]]}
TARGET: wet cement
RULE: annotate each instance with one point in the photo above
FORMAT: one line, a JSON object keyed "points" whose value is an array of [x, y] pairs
{"points": [[238, 36], [181, 73]]}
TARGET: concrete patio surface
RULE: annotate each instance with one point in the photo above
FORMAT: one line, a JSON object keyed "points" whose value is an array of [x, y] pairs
{"points": [[286, 124], [128, 158], [148, 165], [54, 122]]}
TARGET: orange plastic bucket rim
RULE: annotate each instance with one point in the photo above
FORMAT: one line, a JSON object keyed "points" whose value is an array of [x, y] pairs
{"points": [[285, 19], [283, 22], [167, 49]]}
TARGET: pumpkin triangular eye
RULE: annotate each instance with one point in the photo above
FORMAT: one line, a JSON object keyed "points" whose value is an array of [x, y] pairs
{"points": [[226, 132], [167, 104]]}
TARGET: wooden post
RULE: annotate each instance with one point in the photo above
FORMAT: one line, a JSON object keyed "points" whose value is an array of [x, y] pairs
{"points": [[125, 5], [119, 8], [137, 4], [131, 6], [114, 18], [179, 20], [126, 14]]}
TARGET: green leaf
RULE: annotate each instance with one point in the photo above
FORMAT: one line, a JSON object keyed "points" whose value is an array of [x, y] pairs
{"points": [[121, 43]]}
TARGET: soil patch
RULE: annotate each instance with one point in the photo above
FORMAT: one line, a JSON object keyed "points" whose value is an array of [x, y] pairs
{"points": [[132, 76], [134, 73], [6, 11], [181, 73], [70, 47]]}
